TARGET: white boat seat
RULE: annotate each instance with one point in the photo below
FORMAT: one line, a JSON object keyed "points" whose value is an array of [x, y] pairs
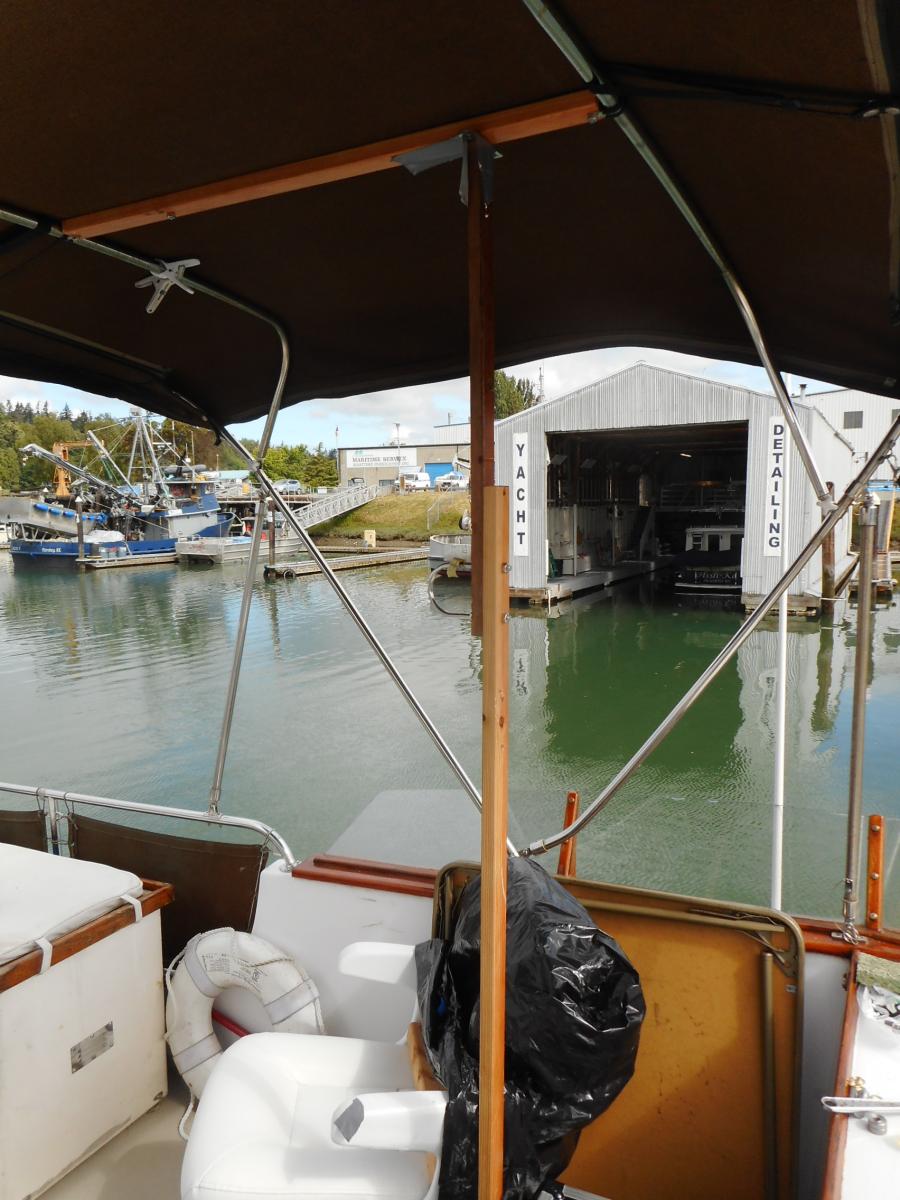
{"points": [[43, 896], [265, 1125]]}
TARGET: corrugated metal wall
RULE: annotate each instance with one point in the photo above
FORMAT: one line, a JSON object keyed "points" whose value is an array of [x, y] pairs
{"points": [[643, 396], [877, 414]]}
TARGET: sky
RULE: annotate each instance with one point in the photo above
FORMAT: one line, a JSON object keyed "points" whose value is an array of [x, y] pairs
{"points": [[370, 420]]}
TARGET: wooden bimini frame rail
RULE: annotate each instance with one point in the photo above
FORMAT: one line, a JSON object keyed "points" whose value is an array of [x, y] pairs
{"points": [[508, 125]]}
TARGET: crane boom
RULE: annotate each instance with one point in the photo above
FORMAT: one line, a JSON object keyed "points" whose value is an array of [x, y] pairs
{"points": [[62, 463]]}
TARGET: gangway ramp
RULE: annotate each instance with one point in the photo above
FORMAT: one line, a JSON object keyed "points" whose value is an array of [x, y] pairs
{"points": [[335, 504]]}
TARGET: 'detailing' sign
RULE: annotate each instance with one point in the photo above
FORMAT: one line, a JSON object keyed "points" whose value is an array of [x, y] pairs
{"points": [[519, 496], [775, 480]]}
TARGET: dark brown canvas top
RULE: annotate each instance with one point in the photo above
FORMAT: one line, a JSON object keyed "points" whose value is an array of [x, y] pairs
{"points": [[108, 104]]}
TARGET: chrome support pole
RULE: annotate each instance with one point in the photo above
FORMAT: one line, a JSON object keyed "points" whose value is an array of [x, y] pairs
{"points": [[215, 791], [868, 518], [727, 653], [368, 633], [777, 872], [612, 109], [158, 810]]}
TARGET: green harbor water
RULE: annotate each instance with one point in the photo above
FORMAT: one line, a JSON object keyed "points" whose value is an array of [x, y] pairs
{"points": [[113, 683]]}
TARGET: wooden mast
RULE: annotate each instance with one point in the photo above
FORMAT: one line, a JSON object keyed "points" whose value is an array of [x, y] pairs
{"points": [[490, 617]]}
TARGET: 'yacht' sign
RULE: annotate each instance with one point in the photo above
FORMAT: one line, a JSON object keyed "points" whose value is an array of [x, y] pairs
{"points": [[519, 495], [775, 479]]}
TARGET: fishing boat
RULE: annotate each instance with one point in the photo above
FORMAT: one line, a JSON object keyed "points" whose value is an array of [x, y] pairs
{"points": [[140, 511], [658, 162]]}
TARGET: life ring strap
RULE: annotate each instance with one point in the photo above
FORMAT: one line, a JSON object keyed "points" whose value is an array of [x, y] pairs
{"points": [[294, 1001], [199, 1052], [197, 971]]}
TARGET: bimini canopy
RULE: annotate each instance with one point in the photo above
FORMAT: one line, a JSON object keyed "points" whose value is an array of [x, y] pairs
{"points": [[777, 116]]}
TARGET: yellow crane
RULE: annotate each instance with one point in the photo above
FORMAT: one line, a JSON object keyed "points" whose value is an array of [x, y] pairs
{"points": [[62, 479]]}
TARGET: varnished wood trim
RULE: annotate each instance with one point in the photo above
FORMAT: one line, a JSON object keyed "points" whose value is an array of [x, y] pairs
{"points": [[509, 125], [155, 896], [832, 1186], [818, 939], [358, 872], [567, 851], [875, 873]]}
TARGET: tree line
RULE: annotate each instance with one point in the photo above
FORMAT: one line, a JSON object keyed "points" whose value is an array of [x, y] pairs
{"points": [[23, 423]]}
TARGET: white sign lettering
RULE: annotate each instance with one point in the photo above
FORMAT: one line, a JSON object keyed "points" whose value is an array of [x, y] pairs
{"points": [[774, 505], [518, 494]]}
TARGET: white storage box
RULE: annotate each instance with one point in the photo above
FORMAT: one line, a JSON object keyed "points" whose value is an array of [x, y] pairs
{"points": [[82, 1046]]}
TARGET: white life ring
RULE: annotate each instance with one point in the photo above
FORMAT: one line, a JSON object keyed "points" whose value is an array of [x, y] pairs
{"points": [[220, 959]]}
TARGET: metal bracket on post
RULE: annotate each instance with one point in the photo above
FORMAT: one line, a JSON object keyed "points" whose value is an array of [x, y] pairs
{"points": [[417, 161], [170, 274]]}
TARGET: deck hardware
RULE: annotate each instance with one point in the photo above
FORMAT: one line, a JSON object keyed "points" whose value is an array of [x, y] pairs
{"points": [[863, 1106], [435, 155], [171, 274]]}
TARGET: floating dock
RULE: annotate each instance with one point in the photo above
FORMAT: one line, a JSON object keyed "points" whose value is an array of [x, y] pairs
{"points": [[564, 587], [376, 558], [127, 560]]}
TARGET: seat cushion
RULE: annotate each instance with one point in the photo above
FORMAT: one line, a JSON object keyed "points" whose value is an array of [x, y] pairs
{"points": [[263, 1127], [46, 895]]}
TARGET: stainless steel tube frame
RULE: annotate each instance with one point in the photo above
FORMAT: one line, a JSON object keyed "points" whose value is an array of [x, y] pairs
{"points": [[728, 651], [215, 790], [368, 633], [612, 109], [157, 810], [868, 517], [153, 266]]}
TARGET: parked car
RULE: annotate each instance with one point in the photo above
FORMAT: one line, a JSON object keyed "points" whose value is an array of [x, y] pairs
{"points": [[288, 485], [453, 481]]}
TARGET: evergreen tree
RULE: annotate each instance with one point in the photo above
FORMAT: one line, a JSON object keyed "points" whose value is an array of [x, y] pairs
{"points": [[512, 395]]}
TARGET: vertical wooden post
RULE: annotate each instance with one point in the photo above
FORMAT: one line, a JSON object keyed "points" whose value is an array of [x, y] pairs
{"points": [[567, 851], [495, 796], [828, 570], [271, 531], [875, 874], [481, 367]]}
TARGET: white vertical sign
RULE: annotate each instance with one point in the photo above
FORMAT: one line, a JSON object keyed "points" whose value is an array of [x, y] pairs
{"points": [[519, 496], [774, 507]]}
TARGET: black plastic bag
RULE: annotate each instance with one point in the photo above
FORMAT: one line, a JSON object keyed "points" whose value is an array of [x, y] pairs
{"points": [[573, 1015]]}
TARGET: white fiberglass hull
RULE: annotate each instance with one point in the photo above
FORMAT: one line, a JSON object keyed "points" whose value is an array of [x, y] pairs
{"points": [[232, 549]]}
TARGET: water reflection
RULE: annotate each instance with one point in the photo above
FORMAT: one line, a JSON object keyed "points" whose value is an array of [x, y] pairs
{"points": [[114, 683]]}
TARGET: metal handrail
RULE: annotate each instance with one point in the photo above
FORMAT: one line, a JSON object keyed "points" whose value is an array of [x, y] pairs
{"points": [[542, 845], [55, 795]]}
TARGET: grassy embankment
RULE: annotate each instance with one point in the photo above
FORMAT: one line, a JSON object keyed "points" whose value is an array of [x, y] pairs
{"points": [[402, 517]]}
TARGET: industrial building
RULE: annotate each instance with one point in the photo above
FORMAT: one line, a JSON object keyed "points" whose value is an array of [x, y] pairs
{"points": [[616, 478], [382, 466]]}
